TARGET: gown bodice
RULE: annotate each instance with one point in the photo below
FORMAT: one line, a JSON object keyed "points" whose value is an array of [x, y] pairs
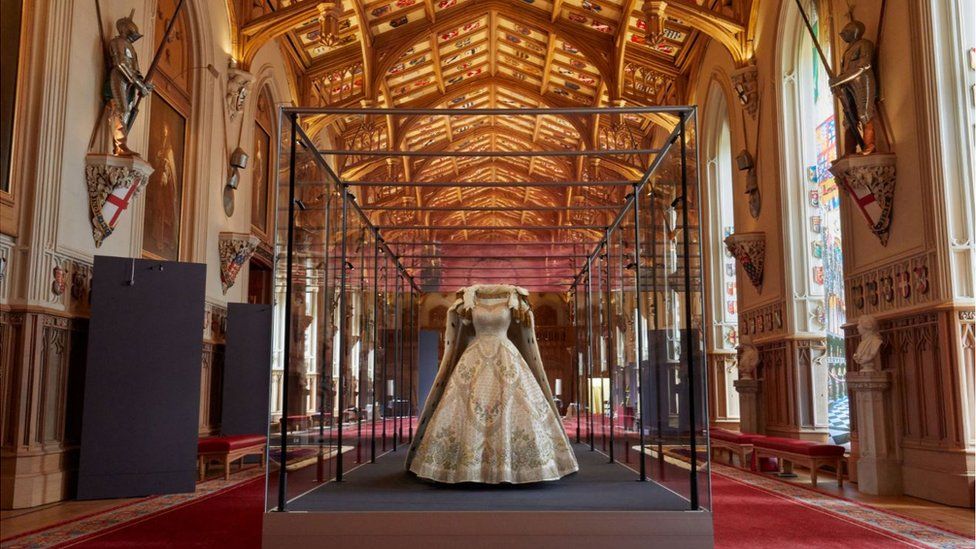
{"points": [[491, 320]]}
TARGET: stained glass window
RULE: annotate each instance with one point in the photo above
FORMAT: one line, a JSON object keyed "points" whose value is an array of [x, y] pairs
{"points": [[823, 232]]}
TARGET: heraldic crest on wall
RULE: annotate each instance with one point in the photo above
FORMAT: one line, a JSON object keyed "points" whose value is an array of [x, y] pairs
{"points": [[113, 181], [235, 250], [749, 250]]}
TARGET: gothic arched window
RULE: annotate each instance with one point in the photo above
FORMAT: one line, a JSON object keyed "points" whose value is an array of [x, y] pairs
{"points": [[815, 273], [719, 222]]}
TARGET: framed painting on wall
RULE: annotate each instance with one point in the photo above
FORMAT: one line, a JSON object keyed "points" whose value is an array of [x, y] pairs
{"points": [[263, 174], [259, 186], [164, 193]]}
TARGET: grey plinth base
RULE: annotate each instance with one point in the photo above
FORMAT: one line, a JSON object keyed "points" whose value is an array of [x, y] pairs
{"points": [[489, 529]]}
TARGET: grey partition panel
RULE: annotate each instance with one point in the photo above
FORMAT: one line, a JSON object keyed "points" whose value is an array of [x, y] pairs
{"points": [[427, 363], [247, 370], [142, 383]]}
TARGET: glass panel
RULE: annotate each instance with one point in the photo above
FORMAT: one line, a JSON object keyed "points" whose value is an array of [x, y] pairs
{"points": [[345, 377]]}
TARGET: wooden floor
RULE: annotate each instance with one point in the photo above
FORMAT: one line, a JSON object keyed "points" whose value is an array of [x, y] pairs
{"points": [[956, 519], [14, 522], [17, 521]]}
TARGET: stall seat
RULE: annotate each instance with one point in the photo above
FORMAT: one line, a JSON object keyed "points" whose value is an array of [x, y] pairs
{"points": [[228, 449], [812, 454]]}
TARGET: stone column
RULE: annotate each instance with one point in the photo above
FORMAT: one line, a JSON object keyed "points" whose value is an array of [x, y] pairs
{"points": [[878, 464], [750, 405]]}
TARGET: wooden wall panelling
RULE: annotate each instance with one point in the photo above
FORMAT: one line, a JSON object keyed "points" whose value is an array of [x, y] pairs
{"points": [[42, 357]]}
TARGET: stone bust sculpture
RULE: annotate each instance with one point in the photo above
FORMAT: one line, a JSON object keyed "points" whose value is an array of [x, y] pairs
{"points": [[748, 358], [868, 349]]}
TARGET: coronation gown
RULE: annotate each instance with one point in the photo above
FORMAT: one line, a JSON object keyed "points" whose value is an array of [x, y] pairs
{"points": [[493, 423]]}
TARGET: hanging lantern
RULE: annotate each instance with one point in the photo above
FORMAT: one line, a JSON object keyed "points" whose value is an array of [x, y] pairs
{"points": [[329, 14], [653, 11]]}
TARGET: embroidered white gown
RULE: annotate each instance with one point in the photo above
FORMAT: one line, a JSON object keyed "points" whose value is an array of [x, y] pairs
{"points": [[493, 423]]}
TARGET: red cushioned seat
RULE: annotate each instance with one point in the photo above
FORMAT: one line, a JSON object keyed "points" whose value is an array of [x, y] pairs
{"points": [[734, 437], [805, 447], [226, 444]]}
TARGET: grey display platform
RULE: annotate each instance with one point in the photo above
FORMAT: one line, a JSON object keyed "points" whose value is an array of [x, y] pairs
{"points": [[602, 505]]}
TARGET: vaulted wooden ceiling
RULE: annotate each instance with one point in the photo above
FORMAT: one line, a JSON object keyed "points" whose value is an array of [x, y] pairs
{"points": [[464, 54]]}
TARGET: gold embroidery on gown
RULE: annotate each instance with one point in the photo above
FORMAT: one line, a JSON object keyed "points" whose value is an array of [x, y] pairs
{"points": [[494, 421]]}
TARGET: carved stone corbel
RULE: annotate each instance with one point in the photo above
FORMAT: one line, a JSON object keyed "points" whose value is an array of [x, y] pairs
{"points": [[749, 249], [238, 88], [113, 181], [745, 82], [235, 249], [870, 181]]}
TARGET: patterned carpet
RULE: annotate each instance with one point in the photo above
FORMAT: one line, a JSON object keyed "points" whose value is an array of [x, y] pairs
{"points": [[127, 514], [751, 510], [895, 526]]}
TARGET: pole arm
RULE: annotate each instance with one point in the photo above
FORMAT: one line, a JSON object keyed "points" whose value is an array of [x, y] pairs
{"points": [[155, 64], [813, 36], [850, 116]]}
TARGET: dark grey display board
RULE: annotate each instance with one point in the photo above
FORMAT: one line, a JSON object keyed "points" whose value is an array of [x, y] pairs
{"points": [[427, 363], [142, 382], [247, 370]]}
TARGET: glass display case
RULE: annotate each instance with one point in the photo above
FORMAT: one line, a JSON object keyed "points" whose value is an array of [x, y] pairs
{"points": [[350, 363]]}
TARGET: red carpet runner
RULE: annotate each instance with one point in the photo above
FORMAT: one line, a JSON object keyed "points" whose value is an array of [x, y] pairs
{"points": [[744, 517], [750, 510]]}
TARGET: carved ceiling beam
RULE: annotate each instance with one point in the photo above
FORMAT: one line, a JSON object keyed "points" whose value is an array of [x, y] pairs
{"points": [[724, 30], [651, 61], [620, 51], [472, 84], [625, 170], [336, 59], [367, 33], [591, 43], [535, 139], [464, 214], [557, 6], [547, 67], [366, 48], [525, 200], [429, 11], [436, 58], [492, 131], [537, 128], [259, 31], [595, 119], [467, 173], [493, 42], [569, 189], [314, 124]]}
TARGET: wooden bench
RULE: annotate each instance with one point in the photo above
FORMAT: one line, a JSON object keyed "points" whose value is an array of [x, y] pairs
{"points": [[736, 444], [812, 454], [228, 449]]}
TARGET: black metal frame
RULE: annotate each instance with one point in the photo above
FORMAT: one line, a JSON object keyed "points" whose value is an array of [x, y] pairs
{"points": [[402, 276]]}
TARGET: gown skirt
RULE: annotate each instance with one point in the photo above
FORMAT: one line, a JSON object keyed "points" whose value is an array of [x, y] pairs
{"points": [[493, 423]]}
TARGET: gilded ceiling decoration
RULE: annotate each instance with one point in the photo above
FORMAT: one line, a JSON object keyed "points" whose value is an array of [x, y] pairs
{"points": [[471, 54]]}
